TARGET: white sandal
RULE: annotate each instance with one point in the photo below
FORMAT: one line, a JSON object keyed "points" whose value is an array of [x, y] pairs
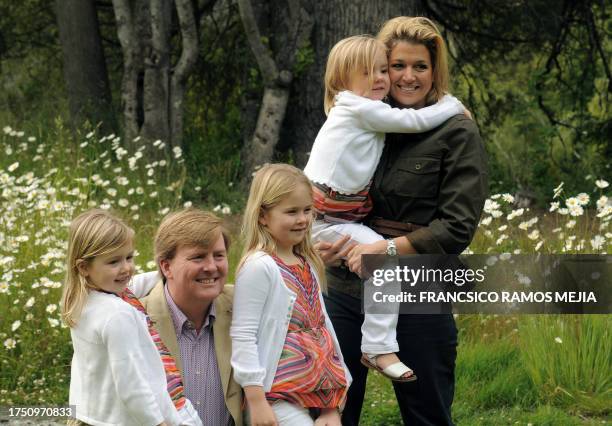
{"points": [[395, 371]]}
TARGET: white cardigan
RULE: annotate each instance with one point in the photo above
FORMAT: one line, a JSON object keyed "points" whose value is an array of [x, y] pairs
{"points": [[263, 306], [117, 376], [348, 147]]}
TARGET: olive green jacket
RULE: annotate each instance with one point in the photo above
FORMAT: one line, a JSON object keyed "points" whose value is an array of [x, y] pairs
{"points": [[437, 179]]}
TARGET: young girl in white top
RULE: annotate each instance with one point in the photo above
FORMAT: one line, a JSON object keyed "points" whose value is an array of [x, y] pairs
{"points": [[343, 160], [117, 375], [285, 353]]}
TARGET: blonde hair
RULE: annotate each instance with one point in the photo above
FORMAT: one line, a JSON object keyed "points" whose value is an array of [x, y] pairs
{"points": [[93, 233], [350, 55], [190, 227], [420, 30], [271, 184]]}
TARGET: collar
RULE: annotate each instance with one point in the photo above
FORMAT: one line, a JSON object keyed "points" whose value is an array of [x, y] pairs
{"points": [[180, 320]]}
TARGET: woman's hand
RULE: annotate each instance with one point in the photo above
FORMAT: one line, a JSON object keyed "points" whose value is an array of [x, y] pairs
{"points": [[328, 417], [354, 256], [260, 411], [467, 113], [333, 253]]}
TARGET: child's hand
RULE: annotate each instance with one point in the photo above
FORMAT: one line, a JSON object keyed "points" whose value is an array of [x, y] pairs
{"points": [[261, 414], [260, 411], [328, 417], [467, 113]]}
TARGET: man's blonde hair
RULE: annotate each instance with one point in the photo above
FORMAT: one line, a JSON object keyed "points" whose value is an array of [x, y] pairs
{"points": [[271, 184], [189, 227], [93, 233], [349, 56], [420, 30]]}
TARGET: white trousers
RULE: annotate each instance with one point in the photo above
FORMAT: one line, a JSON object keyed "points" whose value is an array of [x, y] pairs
{"points": [[378, 331], [288, 414]]}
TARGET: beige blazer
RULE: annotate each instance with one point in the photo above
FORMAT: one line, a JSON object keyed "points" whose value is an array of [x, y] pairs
{"points": [[157, 308]]}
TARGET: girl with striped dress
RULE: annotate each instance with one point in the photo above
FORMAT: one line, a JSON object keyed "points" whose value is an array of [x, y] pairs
{"points": [[285, 353]]}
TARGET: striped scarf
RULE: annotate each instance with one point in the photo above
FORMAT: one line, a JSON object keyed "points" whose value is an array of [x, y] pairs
{"points": [[173, 375]]}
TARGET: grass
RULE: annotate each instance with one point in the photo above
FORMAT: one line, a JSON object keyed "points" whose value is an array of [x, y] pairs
{"points": [[495, 386], [510, 370]]}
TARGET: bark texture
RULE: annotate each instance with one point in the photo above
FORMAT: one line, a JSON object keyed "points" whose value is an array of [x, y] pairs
{"points": [[153, 88], [84, 64], [276, 72]]}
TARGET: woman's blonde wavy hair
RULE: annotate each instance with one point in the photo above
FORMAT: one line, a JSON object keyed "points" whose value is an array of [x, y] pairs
{"points": [[271, 184], [92, 233], [348, 56], [420, 30]]}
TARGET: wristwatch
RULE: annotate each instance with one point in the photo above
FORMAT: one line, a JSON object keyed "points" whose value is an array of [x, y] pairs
{"points": [[391, 248]]}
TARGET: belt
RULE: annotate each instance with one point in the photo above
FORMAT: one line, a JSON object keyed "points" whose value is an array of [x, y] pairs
{"points": [[392, 228], [331, 219]]}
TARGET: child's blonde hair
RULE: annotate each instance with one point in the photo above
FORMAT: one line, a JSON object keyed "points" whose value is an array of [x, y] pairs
{"points": [[348, 56], [93, 233], [271, 184]]}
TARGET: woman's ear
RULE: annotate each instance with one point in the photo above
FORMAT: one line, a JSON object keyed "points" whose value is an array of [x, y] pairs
{"points": [[83, 268]]}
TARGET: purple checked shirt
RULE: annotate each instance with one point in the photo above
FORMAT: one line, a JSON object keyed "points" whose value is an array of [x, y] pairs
{"points": [[200, 369]]}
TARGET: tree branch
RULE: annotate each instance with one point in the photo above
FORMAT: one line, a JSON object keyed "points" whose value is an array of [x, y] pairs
{"points": [[189, 35], [267, 66]]}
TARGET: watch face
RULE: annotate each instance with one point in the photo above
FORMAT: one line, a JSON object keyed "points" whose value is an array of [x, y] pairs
{"points": [[391, 249]]}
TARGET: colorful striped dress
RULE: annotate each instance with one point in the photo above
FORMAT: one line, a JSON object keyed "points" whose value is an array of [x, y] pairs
{"points": [[309, 371], [336, 207]]}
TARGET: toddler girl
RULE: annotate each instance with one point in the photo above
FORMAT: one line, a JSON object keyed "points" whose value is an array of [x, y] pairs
{"points": [[344, 157], [117, 374], [285, 353]]}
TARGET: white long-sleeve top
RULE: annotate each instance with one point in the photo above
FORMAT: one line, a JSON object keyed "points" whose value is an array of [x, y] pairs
{"points": [[117, 376], [348, 147], [263, 306]]}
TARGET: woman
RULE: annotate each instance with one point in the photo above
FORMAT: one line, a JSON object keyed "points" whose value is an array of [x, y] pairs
{"points": [[428, 193]]}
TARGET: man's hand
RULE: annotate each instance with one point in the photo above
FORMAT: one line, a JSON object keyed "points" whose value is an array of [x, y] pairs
{"points": [[333, 253]]}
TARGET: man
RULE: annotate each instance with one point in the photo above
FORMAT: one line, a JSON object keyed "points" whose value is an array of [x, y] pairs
{"points": [[191, 308]]}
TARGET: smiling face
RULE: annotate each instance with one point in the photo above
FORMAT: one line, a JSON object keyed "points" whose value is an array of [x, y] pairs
{"points": [[288, 221], [196, 273], [411, 74], [110, 272], [375, 88]]}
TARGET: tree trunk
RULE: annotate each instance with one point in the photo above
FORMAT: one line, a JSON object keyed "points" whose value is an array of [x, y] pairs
{"points": [[153, 90], [334, 20], [184, 67], [132, 67], [156, 90], [267, 130], [276, 72], [85, 73]]}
